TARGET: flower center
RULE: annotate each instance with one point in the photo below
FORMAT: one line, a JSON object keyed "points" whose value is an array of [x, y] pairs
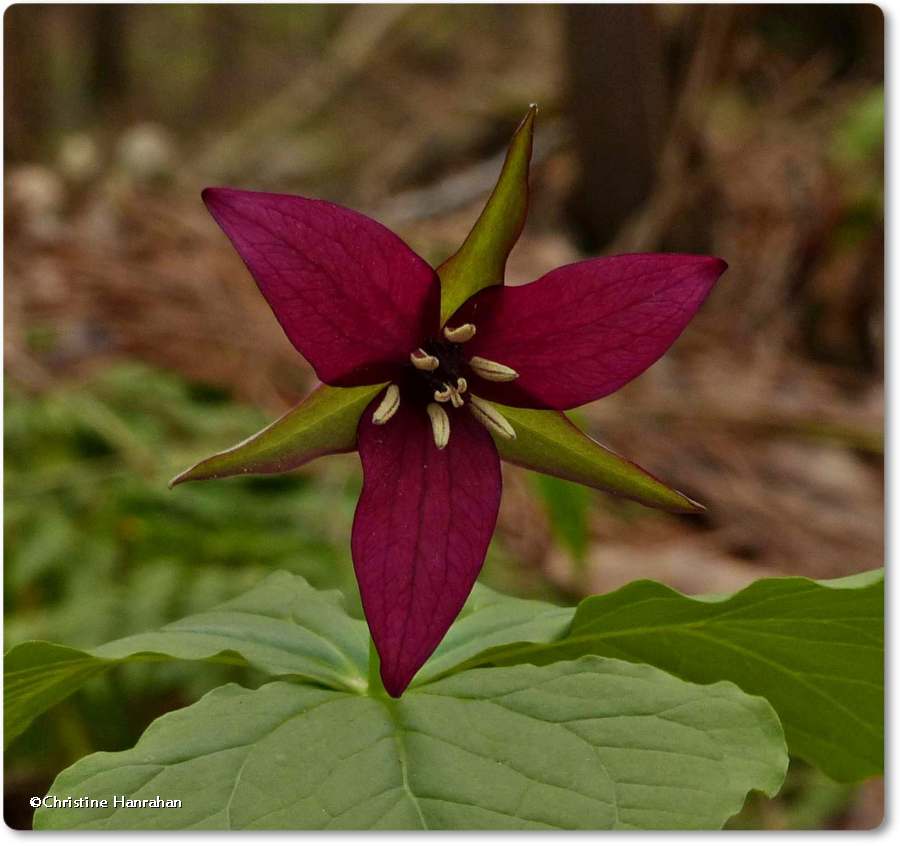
{"points": [[442, 373], [437, 378]]}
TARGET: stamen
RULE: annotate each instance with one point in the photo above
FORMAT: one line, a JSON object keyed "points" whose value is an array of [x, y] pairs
{"points": [[440, 424], [421, 360], [462, 385], [443, 396], [455, 397], [460, 334], [493, 371], [388, 406], [489, 416]]}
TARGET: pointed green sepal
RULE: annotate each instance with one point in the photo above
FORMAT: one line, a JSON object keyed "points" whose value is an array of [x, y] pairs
{"points": [[547, 441], [481, 260], [322, 424]]}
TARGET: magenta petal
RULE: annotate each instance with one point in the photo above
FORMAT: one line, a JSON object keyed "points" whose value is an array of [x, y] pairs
{"points": [[582, 331], [350, 295], [422, 528]]}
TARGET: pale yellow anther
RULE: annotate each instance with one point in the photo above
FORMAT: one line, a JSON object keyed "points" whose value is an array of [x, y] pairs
{"points": [[421, 360], [388, 406], [440, 424], [493, 371], [456, 398], [443, 396], [462, 385], [489, 416], [460, 334]]}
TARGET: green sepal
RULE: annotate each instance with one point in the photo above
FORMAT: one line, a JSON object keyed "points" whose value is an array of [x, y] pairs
{"points": [[548, 442], [481, 260], [322, 424]]}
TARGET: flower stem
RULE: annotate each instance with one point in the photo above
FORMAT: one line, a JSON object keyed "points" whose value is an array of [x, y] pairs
{"points": [[376, 686]]}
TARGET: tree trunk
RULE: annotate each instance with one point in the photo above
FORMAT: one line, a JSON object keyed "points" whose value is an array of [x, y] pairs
{"points": [[618, 106]]}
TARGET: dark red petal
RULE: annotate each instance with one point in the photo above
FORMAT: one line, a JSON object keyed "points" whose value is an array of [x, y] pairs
{"points": [[422, 528], [582, 331], [351, 296]]}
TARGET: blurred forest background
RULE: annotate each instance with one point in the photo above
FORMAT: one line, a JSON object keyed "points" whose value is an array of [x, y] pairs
{"points": [[136, 342]]}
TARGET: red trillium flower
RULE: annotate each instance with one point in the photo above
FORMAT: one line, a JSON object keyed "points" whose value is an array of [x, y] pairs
{"points": [[434, 376]]}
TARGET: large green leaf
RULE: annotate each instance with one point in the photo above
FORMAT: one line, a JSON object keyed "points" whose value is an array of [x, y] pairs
{"points": [[322, 424], [281, 627], [590, 744], [481, 261], [547, 441], [815, 650]]}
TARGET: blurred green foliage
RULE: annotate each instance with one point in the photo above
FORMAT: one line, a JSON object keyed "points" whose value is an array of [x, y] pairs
{"points": [[859, 137], [98, 547], [856, 152], [568, 508]]}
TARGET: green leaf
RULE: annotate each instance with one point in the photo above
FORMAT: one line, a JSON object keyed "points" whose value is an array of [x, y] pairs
{"points": [[322, 424], [481, 261], [493, 619], [548, 442], [273, 628], [590, 744], [815, 650], [281, 627]]}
